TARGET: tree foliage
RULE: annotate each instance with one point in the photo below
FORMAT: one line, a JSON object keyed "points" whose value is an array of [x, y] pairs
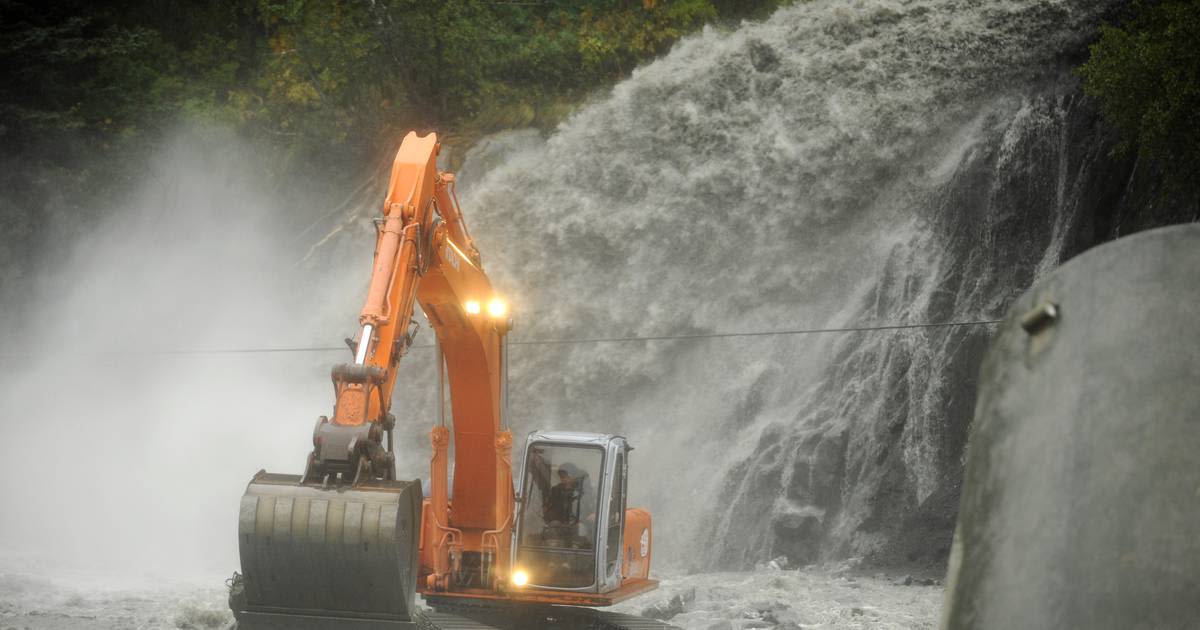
{"points": [[87, 89], [1146, 76], [321, 74]]}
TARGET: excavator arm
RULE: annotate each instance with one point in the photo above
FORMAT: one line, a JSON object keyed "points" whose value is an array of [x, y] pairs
{"points": [[296, 532], [424, 254]]}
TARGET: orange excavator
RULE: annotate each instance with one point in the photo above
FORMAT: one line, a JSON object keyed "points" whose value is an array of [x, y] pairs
{"points": [[347, 545]]}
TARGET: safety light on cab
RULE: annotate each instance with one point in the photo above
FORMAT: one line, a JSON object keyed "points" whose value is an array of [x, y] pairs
{"points": [[472, 307], [497, 308], [520, 578]]}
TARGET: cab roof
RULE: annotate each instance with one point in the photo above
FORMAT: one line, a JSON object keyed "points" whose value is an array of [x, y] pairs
{"points": [[573, 437]]}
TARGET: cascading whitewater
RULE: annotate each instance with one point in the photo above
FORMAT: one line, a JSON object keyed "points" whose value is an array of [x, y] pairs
{"points": [[842, 163]]}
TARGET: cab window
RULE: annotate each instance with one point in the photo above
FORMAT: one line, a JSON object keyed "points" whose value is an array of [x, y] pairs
{"points": [[616, 513], [558, 517]]}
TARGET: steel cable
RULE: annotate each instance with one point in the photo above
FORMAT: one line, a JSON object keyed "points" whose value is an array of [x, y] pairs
{"points": [[565, 341]]}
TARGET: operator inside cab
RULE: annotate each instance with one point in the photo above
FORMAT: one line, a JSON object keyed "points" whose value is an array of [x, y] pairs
{"points": [[566, 502], [558, 531]]}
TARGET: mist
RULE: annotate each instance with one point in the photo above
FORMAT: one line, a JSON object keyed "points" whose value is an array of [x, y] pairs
{"points": [[124, 455]]}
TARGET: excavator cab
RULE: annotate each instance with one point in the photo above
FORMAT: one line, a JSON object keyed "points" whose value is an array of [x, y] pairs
{"points": [[574, 531]]}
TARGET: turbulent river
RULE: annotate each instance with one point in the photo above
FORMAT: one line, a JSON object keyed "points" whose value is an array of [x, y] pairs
{"points": [[854, 163]]}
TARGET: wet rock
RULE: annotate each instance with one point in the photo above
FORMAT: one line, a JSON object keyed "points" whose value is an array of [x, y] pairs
{"points": [[666, 610], [845, 567], [781, 614], [197, 618], [763, 57]]}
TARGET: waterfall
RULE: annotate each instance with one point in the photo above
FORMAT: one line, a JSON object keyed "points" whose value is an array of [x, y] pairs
{"points": [[842, 163]]}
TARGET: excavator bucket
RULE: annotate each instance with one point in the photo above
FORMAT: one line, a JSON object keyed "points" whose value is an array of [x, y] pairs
{"points": [[340, 558]]}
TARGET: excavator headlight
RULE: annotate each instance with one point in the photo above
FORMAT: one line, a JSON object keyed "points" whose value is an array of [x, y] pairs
{"points": [[497, 308], [520, 578], [472, 307]]}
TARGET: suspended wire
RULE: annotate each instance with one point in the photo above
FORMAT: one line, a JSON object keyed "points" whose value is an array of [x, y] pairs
{"points": [[761, 333], [580, 340]]}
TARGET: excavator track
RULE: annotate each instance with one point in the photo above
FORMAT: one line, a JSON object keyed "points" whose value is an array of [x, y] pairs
{"points": [[521, 616], [420, 620], [445, 621]]}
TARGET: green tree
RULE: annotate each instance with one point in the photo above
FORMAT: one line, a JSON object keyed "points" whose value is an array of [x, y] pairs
{"points": [[325, 87], [1146, 76]]}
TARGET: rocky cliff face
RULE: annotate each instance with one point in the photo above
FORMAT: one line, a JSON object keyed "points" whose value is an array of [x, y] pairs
{"points": [[876, 469]]}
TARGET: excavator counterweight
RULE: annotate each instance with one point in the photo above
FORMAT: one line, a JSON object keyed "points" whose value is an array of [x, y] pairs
{"points": [[345, 545]]}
